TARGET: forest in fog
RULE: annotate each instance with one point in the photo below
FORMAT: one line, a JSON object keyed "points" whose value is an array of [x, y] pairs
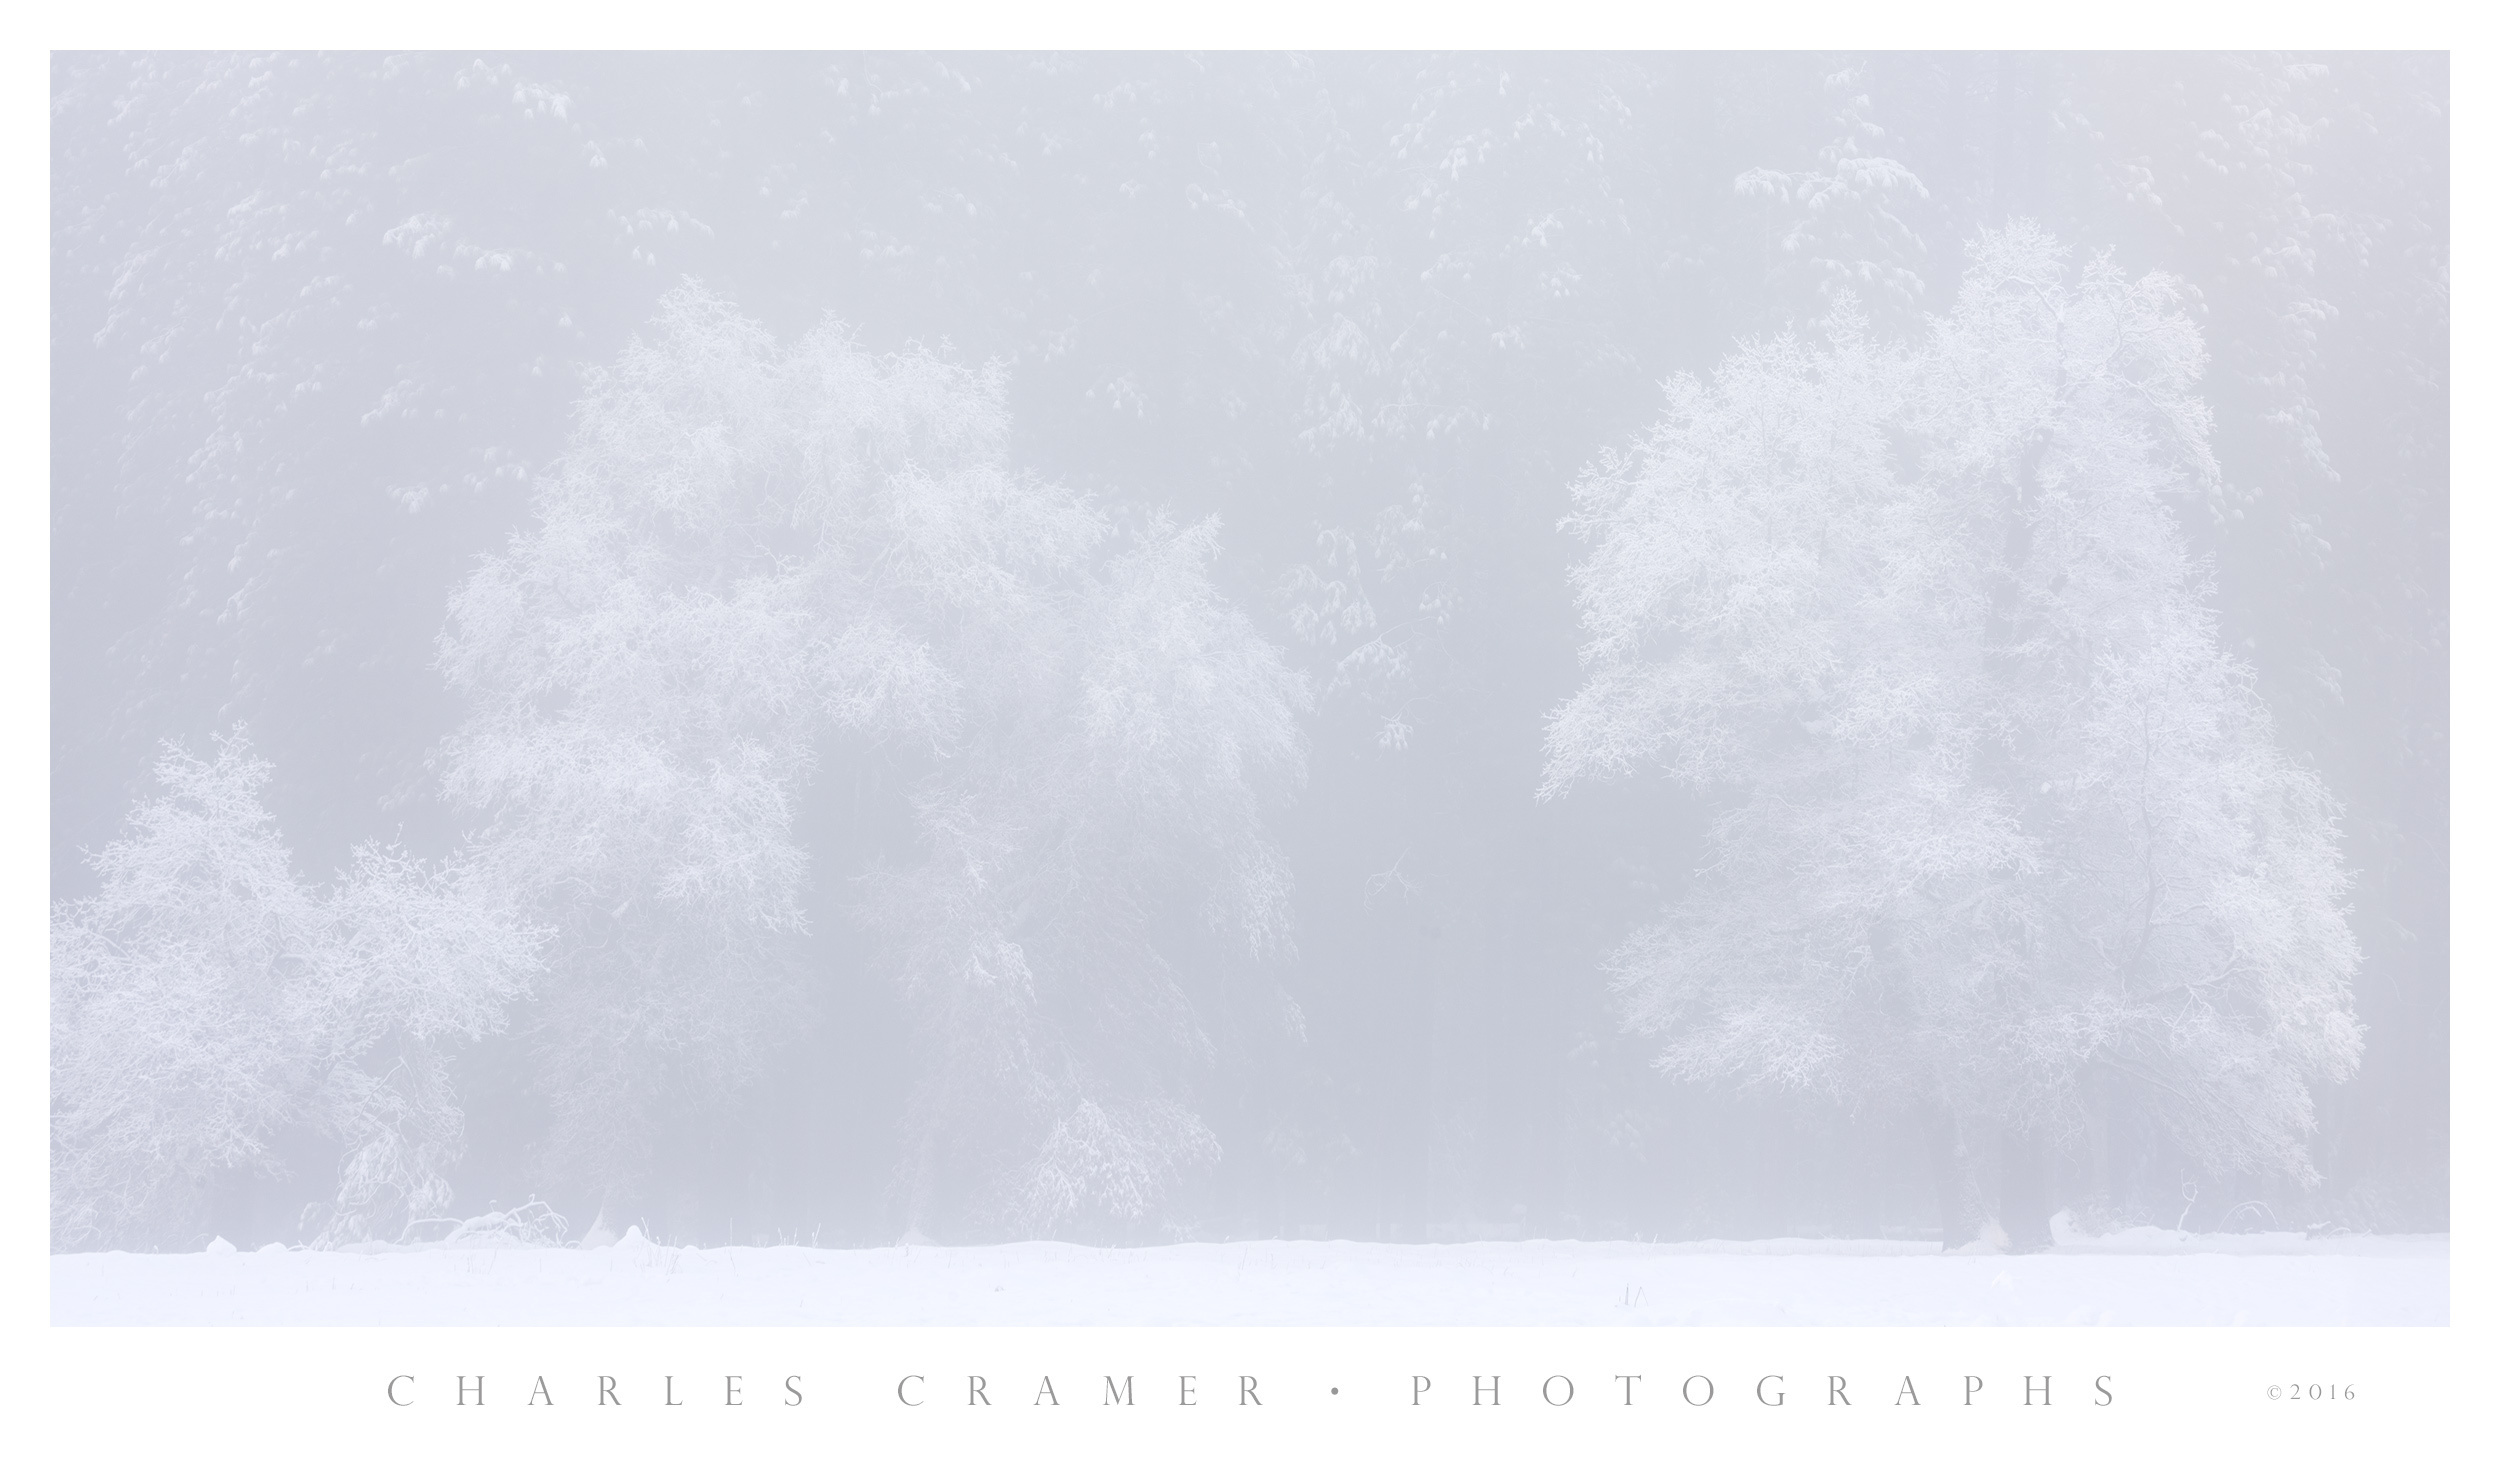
{"points": [[1128, 648]]}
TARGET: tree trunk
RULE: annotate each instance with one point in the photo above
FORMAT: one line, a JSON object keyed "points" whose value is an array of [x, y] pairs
{"points": [[2023, 1198], [1956, 1212], [2103, 1181], [917, 1191]]}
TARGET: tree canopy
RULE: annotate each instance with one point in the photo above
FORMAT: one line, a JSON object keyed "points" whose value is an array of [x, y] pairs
{"points": [[209, 1009], [752, 557], [1997, 813]]}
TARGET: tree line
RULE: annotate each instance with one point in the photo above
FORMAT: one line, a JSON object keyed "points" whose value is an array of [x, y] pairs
{"points": [[327, 328], [2002, 823]]}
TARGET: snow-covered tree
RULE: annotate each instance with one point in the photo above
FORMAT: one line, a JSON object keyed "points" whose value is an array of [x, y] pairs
{"points": [[649, 667], [2003, 828], [1103, 794], [751, 553], [206, 1004]]}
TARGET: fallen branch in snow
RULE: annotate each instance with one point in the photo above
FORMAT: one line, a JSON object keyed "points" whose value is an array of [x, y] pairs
{"points": [[532, 1224]]}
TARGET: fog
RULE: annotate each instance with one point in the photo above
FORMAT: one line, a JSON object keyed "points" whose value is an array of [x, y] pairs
{"points": [[843, 649]]}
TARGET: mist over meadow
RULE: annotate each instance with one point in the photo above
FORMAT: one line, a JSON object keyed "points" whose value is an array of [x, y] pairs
{"points": [[1132, 648]]}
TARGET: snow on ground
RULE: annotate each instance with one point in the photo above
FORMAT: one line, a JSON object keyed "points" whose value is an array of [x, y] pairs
{"points": [[2139, 1277]]}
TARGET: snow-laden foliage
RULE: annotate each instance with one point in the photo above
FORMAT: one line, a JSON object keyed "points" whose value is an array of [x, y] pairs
{"points": [[2001, 820], [1109, 775], [206, 1004], [1843, 223], [751, 553], [651, 665]]}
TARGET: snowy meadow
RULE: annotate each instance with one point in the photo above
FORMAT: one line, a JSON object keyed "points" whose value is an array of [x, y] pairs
{"points": [[2140, 1277]]}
